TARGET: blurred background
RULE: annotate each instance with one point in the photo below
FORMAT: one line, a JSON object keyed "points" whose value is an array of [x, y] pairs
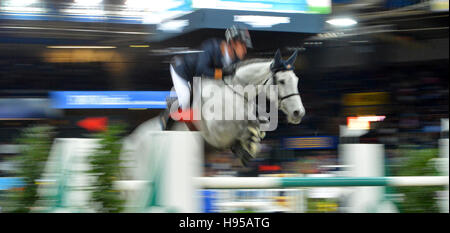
{"points": [[63, 63]]}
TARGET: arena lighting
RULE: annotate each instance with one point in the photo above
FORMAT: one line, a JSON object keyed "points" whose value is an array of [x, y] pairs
{"points": [[22, 2], [22, 6], [362, 122], [139, 46], [138, 4], [173, 25], [187, 51], [372, 118], [159, 6], [258, 21], [342, 22], [81, 47], [88, 2]]}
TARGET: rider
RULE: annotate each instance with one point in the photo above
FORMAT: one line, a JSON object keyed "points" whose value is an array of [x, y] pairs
{"points": [[216, 60]]}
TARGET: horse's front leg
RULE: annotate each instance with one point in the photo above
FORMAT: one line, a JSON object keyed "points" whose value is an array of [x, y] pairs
{"points": [[249, 144], [253, 139]]}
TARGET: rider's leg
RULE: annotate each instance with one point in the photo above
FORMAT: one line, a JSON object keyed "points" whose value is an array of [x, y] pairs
{"points": [[182, 89]]}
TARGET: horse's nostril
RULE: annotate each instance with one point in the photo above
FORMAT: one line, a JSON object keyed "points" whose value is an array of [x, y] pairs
{"points": [[296, 113]]}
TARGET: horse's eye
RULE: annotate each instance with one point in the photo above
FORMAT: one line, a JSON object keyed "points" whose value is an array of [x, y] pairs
{"points": [[282, 82]]}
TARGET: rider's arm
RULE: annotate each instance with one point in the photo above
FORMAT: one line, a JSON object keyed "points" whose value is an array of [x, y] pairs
{"points": [[209, 61], [229, 70]]}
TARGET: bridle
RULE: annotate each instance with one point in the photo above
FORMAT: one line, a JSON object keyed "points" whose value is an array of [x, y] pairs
{"points": [[275, 81]]}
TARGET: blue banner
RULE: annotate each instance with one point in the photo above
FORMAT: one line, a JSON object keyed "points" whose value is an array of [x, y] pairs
{"points": [[10, 183], [26, 108], [108, 99]]}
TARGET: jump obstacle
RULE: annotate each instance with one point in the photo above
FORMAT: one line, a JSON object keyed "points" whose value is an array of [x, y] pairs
{"points": [[290, 182], [170, 164], [296, 182]]}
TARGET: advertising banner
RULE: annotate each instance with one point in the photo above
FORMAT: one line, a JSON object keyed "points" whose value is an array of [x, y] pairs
{"points": [[108, 99], [308, 143]]}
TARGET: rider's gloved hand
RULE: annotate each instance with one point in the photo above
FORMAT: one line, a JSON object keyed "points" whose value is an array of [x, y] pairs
{"points": [[229, 70]]}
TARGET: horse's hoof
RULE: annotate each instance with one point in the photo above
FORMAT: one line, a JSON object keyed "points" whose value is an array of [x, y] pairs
{"points": [[263, 135], [255, 149], [256, 132], [255, 139], [252, 148], [253, 131]]}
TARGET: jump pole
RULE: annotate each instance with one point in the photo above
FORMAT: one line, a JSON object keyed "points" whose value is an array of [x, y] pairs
{"points": [[289, 182]]}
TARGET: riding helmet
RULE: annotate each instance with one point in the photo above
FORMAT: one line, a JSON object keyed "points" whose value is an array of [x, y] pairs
{"points": [[239, 33]]}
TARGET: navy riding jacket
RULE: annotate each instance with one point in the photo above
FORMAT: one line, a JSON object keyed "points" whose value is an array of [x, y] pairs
{"points": [[200, 64]]}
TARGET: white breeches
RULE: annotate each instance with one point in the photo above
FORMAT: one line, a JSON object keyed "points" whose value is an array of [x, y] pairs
{"points": [[182, 88]]}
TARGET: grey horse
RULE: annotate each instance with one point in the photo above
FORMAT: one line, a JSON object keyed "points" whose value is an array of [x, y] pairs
{"points": [[246, 133]]}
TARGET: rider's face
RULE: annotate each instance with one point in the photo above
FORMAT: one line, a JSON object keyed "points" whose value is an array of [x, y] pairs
{"points": [[240, 49]]}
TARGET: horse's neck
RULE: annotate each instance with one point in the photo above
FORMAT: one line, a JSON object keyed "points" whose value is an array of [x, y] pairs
{"points": [[252, 74]]}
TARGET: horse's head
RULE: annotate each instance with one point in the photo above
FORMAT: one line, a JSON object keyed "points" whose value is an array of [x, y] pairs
{"points": [[288, 97]]}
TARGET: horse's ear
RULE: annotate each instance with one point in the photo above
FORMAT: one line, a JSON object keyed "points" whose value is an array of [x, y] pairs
{"points": [[277, 63], [291, 60], [277, 56]]}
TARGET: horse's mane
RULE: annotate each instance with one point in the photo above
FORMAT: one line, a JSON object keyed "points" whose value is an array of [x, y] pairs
{"points": [[252, 61]]}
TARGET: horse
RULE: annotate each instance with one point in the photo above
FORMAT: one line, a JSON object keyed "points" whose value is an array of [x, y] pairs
{"points": [[223, 134]]}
